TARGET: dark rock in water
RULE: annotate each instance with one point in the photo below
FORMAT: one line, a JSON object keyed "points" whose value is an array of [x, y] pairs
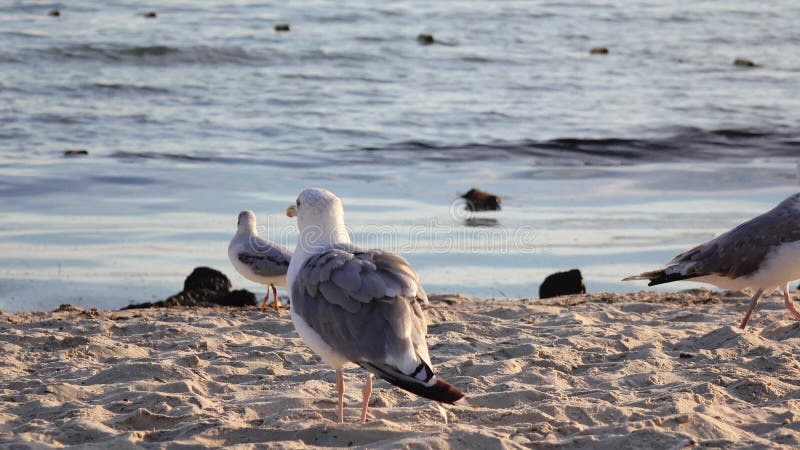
{"points": [[204, 287], [478, 200], [598, 51], [283, 27], [562, 283], [150, 14], [79, 152], [207, 278], [741, 62], [425, 39], [54, 13]]}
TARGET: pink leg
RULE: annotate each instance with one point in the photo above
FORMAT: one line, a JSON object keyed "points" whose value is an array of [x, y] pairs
{"points": [[789, 303], [753, 304], [264, 303], [275, 293], [340, 389], [367, 392]]}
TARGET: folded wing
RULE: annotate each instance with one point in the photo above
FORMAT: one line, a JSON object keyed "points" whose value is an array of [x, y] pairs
{"points": [[366, 304], [736, 253], [264, 258]]}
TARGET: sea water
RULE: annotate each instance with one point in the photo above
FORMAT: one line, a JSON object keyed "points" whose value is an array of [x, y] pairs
{"points": [[608, 163]]}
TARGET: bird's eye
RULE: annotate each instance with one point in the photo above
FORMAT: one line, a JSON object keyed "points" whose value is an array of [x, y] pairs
{"points": [[298, 201]]}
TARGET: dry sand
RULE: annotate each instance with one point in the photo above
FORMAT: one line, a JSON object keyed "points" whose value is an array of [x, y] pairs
{"points": [[642, 370]]}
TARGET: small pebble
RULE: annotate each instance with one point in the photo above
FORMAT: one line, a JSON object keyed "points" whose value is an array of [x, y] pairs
{"points": [[283, 27], [79, 152], [150, 14], [599, 51], [425, 39], [54, 13], [744, 62]]}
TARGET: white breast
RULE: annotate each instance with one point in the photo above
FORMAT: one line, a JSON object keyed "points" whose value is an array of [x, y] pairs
{"points": [[310, 337], [780, 266], [315, 342]]}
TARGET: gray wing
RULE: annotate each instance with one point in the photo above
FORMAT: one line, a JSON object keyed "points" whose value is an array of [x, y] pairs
{"points": [[741, 250], [366, 305], [265, 258]]}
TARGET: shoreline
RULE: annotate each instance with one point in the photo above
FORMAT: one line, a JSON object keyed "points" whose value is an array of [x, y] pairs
{"points": [[640, 370]]}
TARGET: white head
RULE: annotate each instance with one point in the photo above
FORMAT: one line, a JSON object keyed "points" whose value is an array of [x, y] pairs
{"points": [[320, 217], [247, 222]]}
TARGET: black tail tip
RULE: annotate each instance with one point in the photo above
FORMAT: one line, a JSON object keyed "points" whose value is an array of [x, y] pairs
{"points": [[444, 392], [663, 277]]}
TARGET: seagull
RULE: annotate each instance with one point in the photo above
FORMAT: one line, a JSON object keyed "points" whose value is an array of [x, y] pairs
{"points": [[355, 305], [258, 259], [762, 254]]}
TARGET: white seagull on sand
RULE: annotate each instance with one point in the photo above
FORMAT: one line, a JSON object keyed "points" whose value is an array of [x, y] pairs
{"points": [[258, 259], [361, 306], [761, 254]]}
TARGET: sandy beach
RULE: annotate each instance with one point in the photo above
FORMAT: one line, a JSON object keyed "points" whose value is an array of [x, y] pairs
{"points": [[643, 370]]}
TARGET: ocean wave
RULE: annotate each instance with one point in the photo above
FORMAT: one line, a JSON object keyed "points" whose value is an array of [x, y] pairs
{"points": [[335, 78], [132, 155], [688, 144], [155, 54], [197, 54], [266, 158], [123, 87]]}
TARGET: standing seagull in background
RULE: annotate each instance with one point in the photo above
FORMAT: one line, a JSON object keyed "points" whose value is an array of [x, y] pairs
{"points": [[762, 254], [361, 306], [258, 259]]}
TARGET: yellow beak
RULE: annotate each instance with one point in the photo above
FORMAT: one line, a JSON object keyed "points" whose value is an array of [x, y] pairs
{"points": [[291, 211]]}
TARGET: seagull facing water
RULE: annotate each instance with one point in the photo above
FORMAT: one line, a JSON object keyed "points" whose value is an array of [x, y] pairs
{"points": [[361, 306], [258, 259], [762, 254]]}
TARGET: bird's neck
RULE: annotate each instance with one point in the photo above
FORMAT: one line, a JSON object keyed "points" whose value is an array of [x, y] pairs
{"points": [[244, 231], [314, 238], [339, 235]]}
